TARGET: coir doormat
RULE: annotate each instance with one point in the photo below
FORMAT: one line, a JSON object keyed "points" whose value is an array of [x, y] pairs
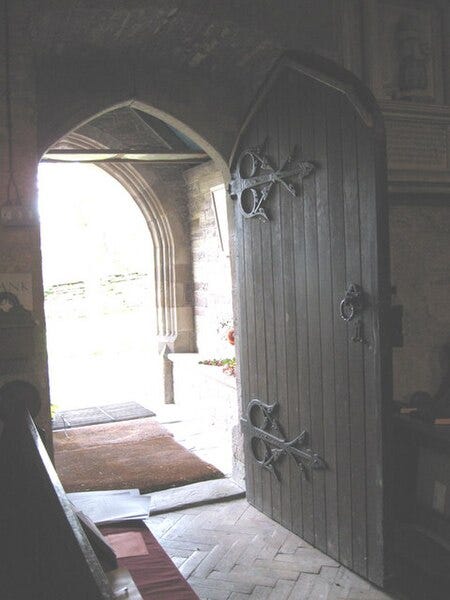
{"points": [[92, 415], [130, 454]]}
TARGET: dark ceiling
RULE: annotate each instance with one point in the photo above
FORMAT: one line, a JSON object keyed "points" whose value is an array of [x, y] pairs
{"points": [[209, 35], [222, 49]]}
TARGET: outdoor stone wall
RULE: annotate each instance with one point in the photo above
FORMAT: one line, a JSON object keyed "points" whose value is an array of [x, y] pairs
{"points": [[210, 264], [215, 287], [212, 395], [420, 251]]}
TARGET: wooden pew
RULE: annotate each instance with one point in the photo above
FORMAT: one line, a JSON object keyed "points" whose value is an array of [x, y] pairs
{"points": [[45, 554]]}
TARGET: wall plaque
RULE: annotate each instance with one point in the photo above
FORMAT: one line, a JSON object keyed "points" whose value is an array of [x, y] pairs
{"points": [[415, 145], [16, 319], [418, 147], [19, 284]]}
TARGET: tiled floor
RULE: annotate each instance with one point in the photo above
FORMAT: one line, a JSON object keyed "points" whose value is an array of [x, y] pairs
{"points": [[228, 550], [231, 551]]}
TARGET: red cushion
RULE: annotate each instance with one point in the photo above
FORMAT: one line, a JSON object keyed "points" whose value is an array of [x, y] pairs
{"points": [[154, 574]]}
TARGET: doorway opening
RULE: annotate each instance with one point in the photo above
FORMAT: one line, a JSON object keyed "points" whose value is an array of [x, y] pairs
{"points": [[177, 197], [99, 293]]}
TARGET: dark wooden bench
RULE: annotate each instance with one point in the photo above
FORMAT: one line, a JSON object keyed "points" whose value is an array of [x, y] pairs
{"points": [[45, 553]]}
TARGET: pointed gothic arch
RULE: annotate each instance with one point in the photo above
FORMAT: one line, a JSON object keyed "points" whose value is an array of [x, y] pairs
{"points": [[161, 232]]}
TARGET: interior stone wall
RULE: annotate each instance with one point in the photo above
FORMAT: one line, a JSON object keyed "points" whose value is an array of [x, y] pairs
{"points": [[420, 251], [203, 79], [20, 246]]}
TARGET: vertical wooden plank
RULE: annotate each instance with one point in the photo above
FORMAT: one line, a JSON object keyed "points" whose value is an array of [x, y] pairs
{"points": [[264, 365], [278, 104], [327, 450], [385, 364], [303, 128], [248, 338], [313, 302], [257, 350], [333, 260], [251, 259], [289, 283], [340, 281], [355, 351], [270, 300], [373, 400]]}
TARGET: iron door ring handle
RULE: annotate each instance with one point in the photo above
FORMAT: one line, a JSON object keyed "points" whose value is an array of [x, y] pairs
{"points": [[352, 303], [347, 309]]}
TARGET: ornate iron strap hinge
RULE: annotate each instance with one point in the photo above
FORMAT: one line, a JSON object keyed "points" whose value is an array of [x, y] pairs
{"points": [[254, 177], [269, 445]]}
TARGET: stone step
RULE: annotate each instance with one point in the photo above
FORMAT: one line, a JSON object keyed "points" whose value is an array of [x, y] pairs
{"points": [[194, 494]]}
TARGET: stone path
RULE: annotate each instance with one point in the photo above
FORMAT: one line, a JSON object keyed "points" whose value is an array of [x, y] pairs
{"points": [[231, 551], [190, 428]]}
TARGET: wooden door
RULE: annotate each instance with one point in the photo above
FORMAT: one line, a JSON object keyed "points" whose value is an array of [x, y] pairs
{"points": [[308, 181]]}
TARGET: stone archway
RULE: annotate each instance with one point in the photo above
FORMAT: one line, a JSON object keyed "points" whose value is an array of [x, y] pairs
{"points": [[176, 332], [161, 231], [174, 321], [168, 226]]}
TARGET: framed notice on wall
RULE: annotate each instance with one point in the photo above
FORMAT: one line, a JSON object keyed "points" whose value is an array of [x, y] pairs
{"points": [[20, 286], [16, 317], [219, 205]]}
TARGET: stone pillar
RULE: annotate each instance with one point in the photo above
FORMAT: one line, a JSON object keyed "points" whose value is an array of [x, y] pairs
{"points": [[167, 376], [20, 245]]}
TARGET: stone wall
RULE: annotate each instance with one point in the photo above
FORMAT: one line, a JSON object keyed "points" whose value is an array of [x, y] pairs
{"points": [[214, 291], [201, 79], [211, 265], [420, 251], [210, 394]]}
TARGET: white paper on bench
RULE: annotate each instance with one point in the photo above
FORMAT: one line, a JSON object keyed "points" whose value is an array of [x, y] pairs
{"points": [[104, 507]]}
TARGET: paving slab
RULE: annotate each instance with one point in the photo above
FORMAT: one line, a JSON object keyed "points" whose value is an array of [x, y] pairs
{"points": [[195, 494]]}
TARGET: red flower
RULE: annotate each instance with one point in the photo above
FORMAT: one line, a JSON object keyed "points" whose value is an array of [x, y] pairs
{"points": [[230, 336]]}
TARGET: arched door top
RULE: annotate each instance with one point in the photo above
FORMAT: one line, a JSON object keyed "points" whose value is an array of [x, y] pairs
{"points": [[327, 73]]}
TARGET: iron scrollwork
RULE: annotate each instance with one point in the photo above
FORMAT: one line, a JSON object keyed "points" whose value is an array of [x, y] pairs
{"points": [[268, 443], [254, 177]]}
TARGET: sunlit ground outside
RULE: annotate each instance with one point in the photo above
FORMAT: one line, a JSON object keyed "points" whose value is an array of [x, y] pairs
{"points": [[99, 292]]}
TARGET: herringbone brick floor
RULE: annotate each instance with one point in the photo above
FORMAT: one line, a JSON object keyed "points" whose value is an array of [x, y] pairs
{"points": [[231, 551]]}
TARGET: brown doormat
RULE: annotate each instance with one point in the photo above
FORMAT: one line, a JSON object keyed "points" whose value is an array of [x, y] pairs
{"points": [[131, 454]]}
